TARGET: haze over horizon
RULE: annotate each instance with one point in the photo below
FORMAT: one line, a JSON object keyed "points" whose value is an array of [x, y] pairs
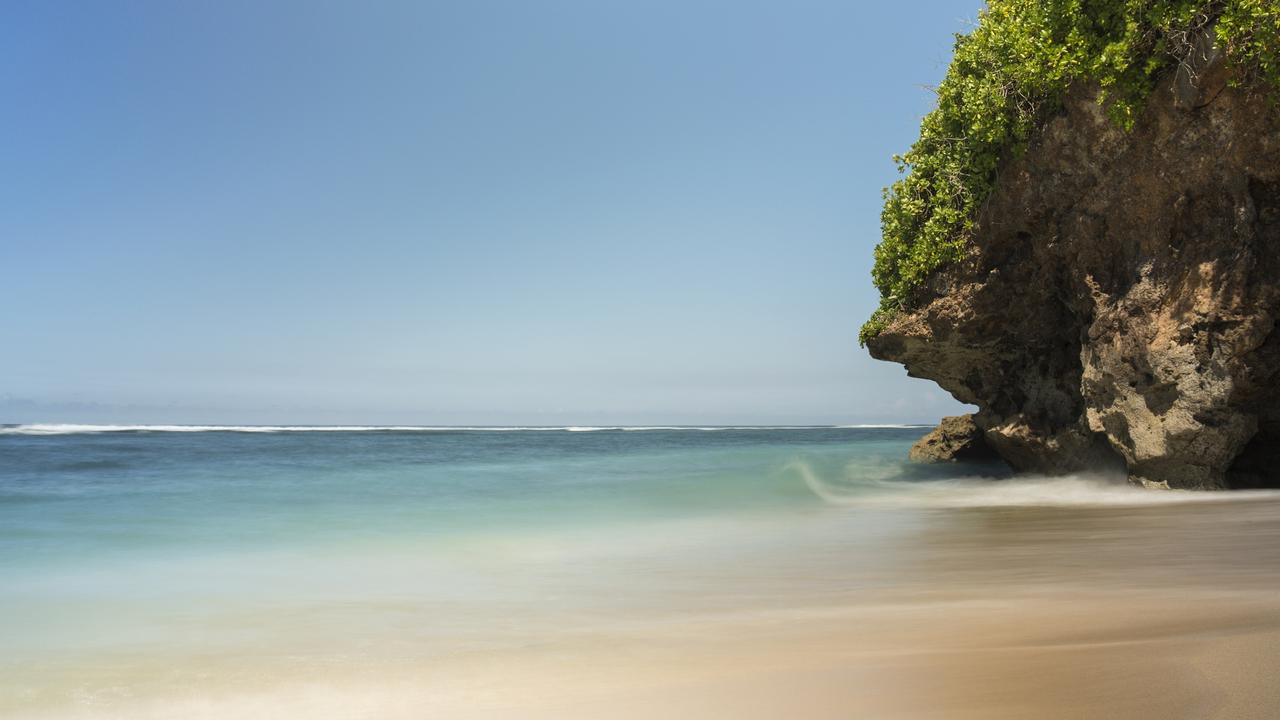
{"points": [[479, 214]]}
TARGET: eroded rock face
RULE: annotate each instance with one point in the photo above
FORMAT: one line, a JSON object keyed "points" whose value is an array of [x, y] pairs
{"points": [[1119, 304], [956, 439]]}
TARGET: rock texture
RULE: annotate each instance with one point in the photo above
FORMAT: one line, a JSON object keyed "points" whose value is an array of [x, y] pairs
{"points": [[956, 439], [1119, 304]]}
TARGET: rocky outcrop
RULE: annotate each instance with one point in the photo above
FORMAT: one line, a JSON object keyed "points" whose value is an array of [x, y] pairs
{"points": [[956, 439], [1118, 305]]}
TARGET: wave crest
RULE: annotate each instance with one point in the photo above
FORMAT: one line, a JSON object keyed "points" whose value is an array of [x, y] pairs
{"points": [[859, 488]]}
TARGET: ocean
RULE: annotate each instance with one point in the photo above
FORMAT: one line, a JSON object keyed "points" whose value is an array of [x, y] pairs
{"points": [[184, 571]]}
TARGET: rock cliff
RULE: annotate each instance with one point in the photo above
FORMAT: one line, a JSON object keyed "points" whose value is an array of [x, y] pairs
{"points": [[1118, 303]]}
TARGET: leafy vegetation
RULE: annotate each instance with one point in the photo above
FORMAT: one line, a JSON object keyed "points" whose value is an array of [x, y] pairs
{"points": [[1007, 76]]}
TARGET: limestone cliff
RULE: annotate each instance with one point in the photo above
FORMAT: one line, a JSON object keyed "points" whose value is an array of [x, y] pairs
{"points": [[1118, 303]]}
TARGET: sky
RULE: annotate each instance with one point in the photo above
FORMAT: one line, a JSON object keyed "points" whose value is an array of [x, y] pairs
{"points": [[481, 212]]}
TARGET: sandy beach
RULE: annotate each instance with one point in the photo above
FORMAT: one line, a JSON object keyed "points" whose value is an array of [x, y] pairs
{"points": [[944, 602]]}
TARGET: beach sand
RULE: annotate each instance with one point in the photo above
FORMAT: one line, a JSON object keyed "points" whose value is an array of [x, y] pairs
{"points": [[1116, 656], [1153, 612]]}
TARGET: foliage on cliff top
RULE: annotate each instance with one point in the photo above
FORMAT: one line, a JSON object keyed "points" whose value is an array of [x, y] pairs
{"points": [[1007, 76]]}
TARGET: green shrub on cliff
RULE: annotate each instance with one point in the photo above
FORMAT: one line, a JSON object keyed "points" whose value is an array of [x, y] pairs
{"points": [[1007, 76]]}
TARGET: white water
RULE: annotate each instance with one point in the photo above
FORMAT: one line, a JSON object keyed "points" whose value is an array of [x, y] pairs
{"points": [[859, 490]]}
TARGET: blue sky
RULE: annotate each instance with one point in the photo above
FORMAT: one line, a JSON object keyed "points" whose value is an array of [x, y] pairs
{"points": [[458, 213]]}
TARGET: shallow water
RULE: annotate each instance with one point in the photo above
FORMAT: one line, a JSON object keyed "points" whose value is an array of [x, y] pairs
{"points": [[753, 572]]}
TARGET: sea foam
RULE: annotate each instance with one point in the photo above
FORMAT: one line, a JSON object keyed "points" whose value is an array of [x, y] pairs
{"points": [[861, 488]]}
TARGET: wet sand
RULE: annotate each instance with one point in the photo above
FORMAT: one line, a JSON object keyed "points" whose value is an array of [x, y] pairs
{"points": [[1150, 610], [1089, 656], [1071, 658], [1169, 611]]}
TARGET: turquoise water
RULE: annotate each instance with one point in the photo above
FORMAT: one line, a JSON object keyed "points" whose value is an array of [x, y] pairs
{"points": [[139, 544], [71, 499], [141, 565]]}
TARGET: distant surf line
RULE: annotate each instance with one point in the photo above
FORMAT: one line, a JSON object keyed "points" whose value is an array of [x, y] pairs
{"points": [[78, 429]]}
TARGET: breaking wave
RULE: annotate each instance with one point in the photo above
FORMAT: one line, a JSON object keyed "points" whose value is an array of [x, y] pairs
{"points": [[888, 489]]}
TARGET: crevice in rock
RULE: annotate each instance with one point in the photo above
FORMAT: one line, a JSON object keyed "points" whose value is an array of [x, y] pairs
{"points": [[1104, 459], [1258, 465]]}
